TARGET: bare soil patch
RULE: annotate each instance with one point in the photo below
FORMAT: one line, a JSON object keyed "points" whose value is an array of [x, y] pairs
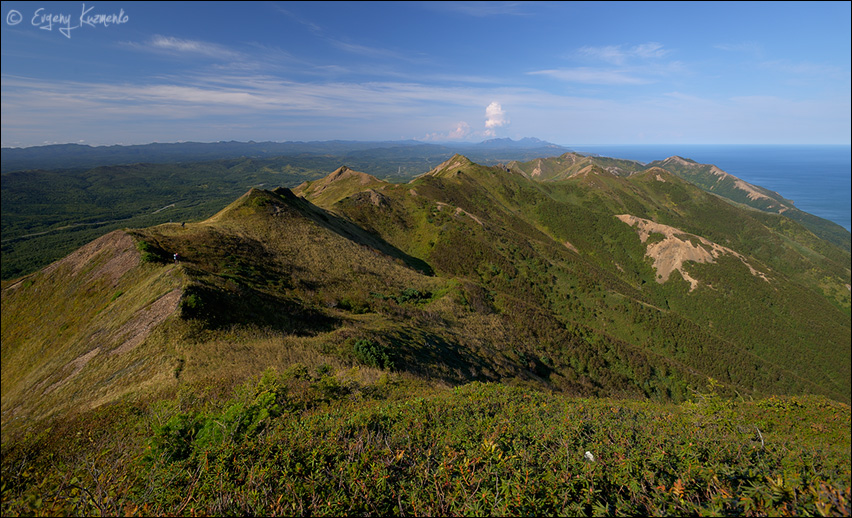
{"points": [[677, 247]]}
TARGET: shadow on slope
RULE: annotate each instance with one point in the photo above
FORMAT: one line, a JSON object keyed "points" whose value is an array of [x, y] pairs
{"points": [[350, 231]]}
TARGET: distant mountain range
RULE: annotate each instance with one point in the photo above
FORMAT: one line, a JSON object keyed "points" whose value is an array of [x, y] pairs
{"points": [[524, 143], [66, 156]]}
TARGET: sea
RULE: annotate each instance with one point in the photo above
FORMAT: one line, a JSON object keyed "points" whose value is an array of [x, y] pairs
{"points": [[818, 179]]}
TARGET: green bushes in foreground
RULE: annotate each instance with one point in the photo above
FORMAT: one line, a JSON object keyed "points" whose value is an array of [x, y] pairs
{"points": [[290, 445]]}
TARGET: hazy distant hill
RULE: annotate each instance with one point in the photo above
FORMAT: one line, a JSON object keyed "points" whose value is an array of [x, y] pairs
{"points": [[73, 156]]}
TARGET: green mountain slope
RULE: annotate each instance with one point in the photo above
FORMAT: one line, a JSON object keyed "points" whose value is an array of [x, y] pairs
{"points": [[713, 179], [86, 330], [705, 176], [560, 247], [363, 302], [598, 284]]}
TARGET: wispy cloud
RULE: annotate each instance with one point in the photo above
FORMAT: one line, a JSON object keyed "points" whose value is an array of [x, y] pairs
{"points": [[746, 47], [206, 95], [649, 50], [482, 9], [193, 48], [594, 76], [615, 65], [619, 54], [237, 105], [460, 132], [369, 51], [307, 23], [804, 70]]}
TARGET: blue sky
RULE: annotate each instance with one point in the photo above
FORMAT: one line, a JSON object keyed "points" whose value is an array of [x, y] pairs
{"points": [[571, 73]]}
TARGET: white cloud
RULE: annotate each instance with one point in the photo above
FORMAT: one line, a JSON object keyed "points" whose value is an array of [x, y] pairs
{"points": [[649, 50], [616, 65], [461, 131], [480, 9], [215, 106], [800, 70], [495, 117]]}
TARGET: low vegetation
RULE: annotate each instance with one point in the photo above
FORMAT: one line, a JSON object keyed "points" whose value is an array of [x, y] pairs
{"points": [[317, 442]]}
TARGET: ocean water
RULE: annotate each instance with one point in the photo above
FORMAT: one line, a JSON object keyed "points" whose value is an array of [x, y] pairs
{"points": [[818, 179]]}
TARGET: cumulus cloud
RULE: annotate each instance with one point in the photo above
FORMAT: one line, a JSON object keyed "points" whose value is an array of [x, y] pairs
{"points": [[461, 131], [495, 117]]}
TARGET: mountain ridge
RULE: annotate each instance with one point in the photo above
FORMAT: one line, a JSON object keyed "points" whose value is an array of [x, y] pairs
{"points": [[557, 268]]}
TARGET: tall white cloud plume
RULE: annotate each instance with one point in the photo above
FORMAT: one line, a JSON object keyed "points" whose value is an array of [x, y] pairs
{"points": [[495, 117]]}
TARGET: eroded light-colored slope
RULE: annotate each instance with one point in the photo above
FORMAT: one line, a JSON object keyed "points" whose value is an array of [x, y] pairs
{"points": [[678, 247]]}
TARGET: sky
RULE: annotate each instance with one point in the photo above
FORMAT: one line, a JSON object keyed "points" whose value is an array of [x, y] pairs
{"points": [[571, 73]]}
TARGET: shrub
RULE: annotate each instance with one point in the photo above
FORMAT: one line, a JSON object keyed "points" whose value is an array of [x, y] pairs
{"points": [[174, 439], [373, 354]]}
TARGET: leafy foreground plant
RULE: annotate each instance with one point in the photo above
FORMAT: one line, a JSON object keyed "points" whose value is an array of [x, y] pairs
{"points": [[304, 443]]}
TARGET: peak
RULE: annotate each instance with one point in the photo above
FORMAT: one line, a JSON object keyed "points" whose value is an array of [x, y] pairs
{"points": [[450, 167], [285, 193], [655, 172], [456, 160], [340, 171], [340, 174], [337, 185], [680, 160]]}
